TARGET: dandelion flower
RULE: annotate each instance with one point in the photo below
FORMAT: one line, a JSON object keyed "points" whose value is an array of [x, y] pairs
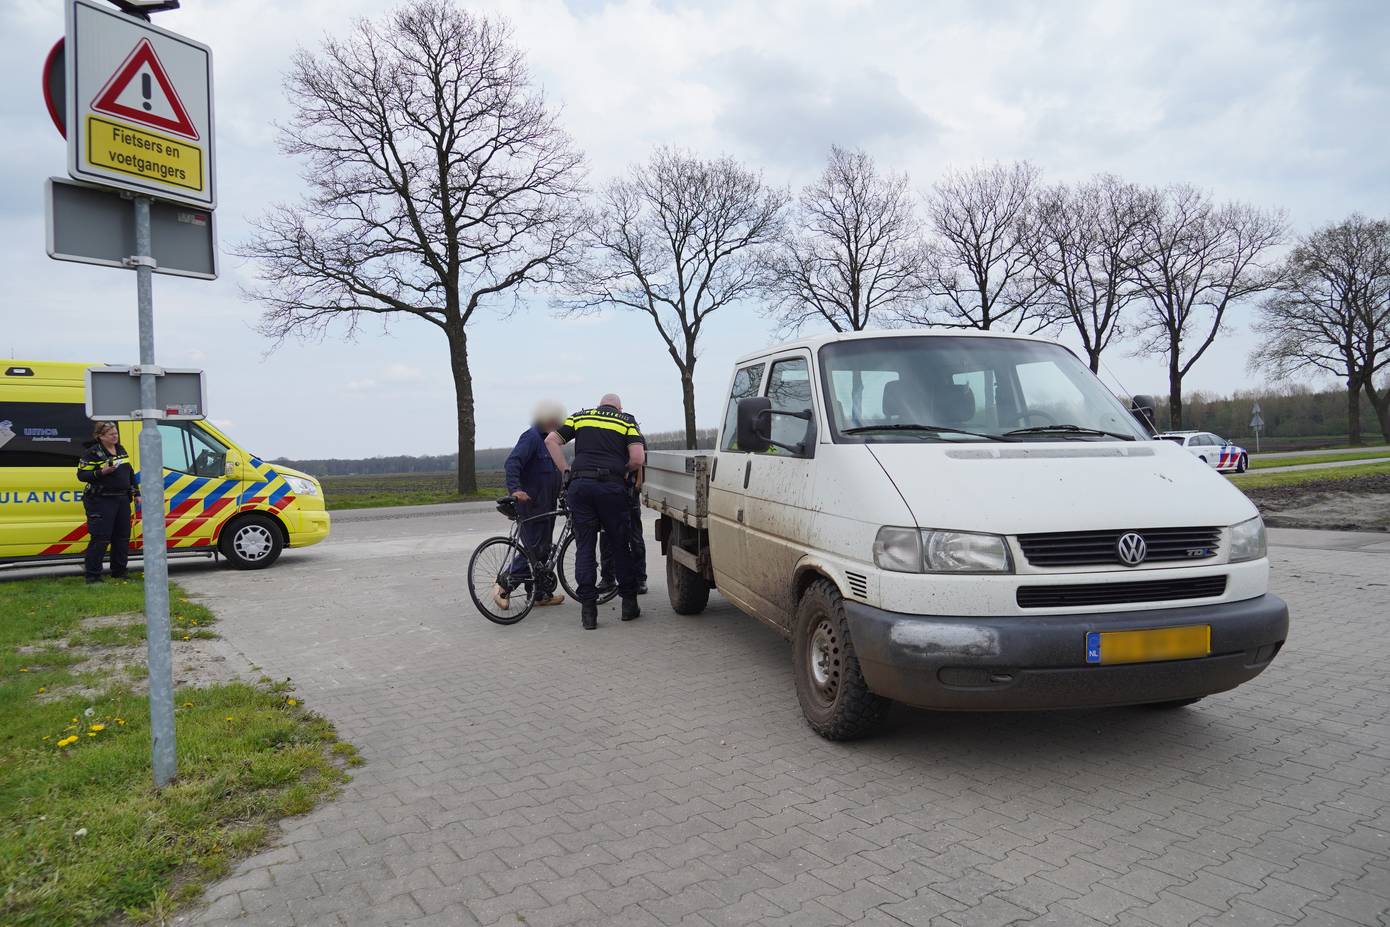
{"points": [[185, 637], [88, 713], [68, 741], [228, 718], [24, 669], [98, 727], [42, 690], [292, 702]]}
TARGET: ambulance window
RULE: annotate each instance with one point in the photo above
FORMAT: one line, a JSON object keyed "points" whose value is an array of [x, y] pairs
{"points": [[191, 450], [42, 434]]}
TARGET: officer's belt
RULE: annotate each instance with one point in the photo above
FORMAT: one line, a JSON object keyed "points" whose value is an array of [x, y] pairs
{"points": [[603, 476]]}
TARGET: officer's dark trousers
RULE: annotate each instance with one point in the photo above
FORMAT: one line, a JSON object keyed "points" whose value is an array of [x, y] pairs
{"points": [[595, 505], [538, 534], [637, 547], [108, 524]]}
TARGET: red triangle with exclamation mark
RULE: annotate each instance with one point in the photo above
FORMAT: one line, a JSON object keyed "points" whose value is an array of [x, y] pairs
{"points": [[109, 99]]}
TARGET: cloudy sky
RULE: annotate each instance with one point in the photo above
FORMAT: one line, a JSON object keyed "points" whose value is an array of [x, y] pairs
{"points": [[1278, 103]]}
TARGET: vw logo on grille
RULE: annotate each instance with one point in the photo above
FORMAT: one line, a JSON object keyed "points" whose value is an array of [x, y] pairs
{"points": [[1131, 548]]}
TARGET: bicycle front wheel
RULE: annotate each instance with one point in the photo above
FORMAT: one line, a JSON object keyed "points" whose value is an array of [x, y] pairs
{"points": [[504, 595], [566, 568]]}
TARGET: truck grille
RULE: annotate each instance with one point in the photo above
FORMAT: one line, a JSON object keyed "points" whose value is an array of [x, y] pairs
{"points": [[1086, 548], [1069, 596]]}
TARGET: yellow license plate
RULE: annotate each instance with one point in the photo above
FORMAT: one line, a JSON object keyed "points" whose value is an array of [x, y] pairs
{"points": [[1149, 645]]}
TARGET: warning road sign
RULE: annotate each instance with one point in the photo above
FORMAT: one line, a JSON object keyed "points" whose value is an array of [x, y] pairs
{"points": [[151, 99], [139, 106]]}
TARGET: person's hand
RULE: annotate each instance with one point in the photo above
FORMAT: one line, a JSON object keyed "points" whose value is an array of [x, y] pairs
{"points": [[521, 495], [107, 470]]}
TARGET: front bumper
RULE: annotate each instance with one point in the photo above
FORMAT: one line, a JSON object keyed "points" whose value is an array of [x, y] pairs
{"points": [[313, 527], [1039, 661]]}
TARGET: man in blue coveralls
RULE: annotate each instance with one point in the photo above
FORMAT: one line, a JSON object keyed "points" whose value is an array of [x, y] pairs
{"points": [[534, 482], [607, 446]]}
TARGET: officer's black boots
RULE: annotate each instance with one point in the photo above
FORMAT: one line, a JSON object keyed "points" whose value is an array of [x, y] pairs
{"points": [[588, 613], [630, 609]]}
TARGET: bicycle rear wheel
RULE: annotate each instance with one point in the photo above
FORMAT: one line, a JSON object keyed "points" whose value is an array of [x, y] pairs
{"points": [[504, 597], [565, 567]]}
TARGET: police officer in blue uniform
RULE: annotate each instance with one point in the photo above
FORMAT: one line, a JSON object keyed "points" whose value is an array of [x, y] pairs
{"points": [[105, 468], [607, 446]]}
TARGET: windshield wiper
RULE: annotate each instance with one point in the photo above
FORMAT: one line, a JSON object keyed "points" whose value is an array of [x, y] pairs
{"points": [[906, 426], [1068, 429]]}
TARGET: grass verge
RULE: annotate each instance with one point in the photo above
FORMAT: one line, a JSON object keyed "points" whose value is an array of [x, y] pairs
{"points": [[387, 489], [84, 836], [1256, 480], [1260, 463]]}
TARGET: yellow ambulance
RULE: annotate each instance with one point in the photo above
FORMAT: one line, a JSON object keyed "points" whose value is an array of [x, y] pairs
{"points": [[218, 498]]}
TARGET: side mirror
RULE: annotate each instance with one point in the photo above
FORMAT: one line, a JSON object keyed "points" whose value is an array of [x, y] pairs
{"points": [[1142, 408], [754, 430]]}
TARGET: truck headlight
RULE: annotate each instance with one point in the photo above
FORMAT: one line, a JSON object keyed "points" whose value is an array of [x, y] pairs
{"points": [[965, 552], [302, 487], [899, 550], [1248, 540], [909, 550]]}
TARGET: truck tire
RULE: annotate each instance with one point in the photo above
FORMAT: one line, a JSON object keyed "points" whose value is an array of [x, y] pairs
{"points": [[834, 698], [688, 590], [252, 542]]}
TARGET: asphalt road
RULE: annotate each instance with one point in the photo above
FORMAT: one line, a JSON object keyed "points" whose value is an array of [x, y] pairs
{"points": [[659, 772]]}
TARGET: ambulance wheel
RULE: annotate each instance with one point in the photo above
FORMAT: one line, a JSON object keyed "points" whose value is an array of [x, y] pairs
{"points": [[834, 697], [687, 590], [252, 542]]}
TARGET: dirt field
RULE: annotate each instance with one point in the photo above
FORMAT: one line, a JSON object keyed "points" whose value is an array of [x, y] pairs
{"points": [[1358, 504]]}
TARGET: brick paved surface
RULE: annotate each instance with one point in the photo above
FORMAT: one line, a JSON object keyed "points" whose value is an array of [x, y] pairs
{"points": [[659, 772]]}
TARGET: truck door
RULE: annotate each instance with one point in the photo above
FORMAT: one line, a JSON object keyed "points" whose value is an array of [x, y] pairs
{"points": [[726, 496], [40, 495], [778, 515]]}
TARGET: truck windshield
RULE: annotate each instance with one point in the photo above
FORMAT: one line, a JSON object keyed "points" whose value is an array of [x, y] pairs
{"points": [[899, 389]]}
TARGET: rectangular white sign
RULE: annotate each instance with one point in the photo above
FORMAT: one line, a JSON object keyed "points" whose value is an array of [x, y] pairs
{"points": [[139, 106]]}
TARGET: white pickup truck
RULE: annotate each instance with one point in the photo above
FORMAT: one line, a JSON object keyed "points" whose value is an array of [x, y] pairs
{"points": [[964, 521]]}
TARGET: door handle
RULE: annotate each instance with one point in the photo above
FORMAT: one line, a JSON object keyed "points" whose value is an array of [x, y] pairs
{"points": [[747, 471]]}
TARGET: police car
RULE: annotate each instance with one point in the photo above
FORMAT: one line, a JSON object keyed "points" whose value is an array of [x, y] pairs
{"points": [[1214, 449]]}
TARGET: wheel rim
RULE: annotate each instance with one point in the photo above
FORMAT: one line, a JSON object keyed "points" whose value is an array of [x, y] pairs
{"points": [[491, 568], [824, 659], [253, 543]]}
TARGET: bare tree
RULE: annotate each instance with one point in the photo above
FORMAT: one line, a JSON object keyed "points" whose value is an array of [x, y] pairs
{"points": [[979, 273], [853, 251], [678, 239], [437, 179], [1196, 261], [1084, 242], [1331, 314]]}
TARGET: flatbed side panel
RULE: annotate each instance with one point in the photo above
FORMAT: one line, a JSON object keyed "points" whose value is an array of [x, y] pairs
{"points": [[677, 485]]}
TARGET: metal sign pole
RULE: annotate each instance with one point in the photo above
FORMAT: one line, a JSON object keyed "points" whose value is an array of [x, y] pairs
{"points": [[156, 558]]}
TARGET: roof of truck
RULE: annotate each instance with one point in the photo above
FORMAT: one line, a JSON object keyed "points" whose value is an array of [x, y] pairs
{"points": [[815, 343]]}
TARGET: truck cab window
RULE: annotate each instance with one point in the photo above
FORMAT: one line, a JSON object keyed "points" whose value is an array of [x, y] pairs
{"points": [[789, 389], [747, 381]]}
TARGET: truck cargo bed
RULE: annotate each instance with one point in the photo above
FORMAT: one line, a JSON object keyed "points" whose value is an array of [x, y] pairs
{"points": [[677, 485]]}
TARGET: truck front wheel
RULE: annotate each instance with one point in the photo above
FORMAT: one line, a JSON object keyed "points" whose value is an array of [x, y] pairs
{"points": [[834, 698], [688, 590]]}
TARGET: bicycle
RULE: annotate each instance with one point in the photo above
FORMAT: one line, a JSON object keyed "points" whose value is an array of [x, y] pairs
{"points": [[490, 567]]}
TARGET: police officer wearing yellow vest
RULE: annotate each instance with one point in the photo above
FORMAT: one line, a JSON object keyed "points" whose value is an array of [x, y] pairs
{"points": [[105, 468], [607, 446]]}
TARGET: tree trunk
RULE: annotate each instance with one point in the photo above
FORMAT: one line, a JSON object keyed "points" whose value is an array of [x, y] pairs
{"points": [[1380, 402], [1353, 412], [1174, 392], [1095, 360], [688, 399], [463, 398]]}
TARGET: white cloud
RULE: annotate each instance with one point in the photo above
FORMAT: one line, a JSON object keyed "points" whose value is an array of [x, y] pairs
{"points": [[1275, 102]]}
